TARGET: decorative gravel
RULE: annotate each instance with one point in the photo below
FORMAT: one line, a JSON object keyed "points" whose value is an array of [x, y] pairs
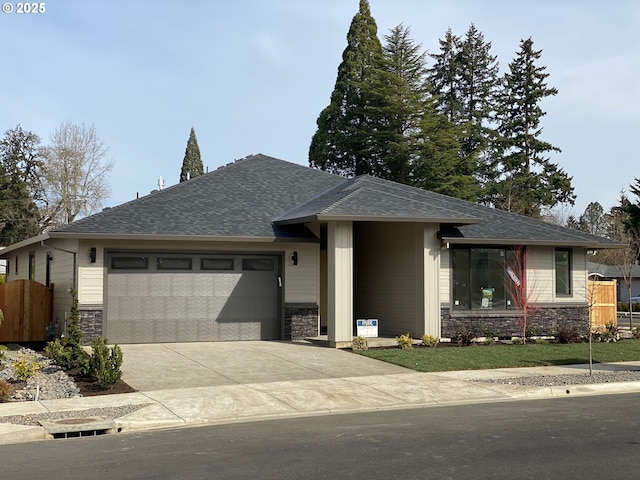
{"points": [[614, 376], [54, 383]]}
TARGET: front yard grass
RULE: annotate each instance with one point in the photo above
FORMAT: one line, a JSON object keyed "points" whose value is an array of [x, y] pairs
{"points": [[477, 357]]}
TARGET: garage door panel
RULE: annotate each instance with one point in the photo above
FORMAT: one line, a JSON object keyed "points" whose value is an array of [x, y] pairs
{"points": [[192, 306]]}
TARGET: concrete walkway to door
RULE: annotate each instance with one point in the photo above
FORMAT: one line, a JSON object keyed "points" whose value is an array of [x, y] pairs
{"points": [[191, 365]]}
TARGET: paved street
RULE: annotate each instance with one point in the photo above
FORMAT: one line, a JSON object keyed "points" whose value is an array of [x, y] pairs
{"points": [[583, 438]]}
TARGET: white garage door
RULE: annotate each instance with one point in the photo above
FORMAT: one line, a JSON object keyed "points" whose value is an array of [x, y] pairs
{"points": [[165, 297]]}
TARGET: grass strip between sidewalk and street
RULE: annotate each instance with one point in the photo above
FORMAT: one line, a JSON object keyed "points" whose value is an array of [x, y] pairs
{"points": [[478, 357]]}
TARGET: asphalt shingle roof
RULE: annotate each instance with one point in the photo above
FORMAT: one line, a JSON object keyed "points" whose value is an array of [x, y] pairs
{"points": [[264, 197], [371, 197], [238, 200]]}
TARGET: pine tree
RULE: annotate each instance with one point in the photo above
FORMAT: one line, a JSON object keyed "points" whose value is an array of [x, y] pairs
{"points": [[524, 179], [346, 141], [192, 164]]}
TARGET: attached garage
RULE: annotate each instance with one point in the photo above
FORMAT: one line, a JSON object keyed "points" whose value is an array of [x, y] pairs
{"points": [[187, 297]]}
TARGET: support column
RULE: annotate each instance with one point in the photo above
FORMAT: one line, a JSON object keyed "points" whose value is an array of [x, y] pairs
{"points": [[340, 282], [431, 281]]}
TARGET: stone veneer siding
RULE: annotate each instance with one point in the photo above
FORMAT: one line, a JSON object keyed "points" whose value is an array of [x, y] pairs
{"points": [[547, 320], [300, 321], [90, 324]]}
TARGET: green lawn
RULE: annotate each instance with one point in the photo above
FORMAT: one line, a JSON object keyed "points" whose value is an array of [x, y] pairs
{"points": [[442, 359]]}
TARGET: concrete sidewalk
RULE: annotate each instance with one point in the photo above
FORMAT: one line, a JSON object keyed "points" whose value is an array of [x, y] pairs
{"points": [[268, 385]]}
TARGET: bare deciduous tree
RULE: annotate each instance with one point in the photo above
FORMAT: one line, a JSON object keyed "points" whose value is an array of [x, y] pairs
{"points": [[522, 289], [75, 174]]}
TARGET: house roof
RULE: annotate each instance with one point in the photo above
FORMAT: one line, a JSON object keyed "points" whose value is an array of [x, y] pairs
{"points": [[266, 199], [370, 198], [613, 271], [240, 199]]}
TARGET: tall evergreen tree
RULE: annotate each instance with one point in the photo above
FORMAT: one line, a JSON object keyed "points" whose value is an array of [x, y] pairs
{"points": [[346, 141], [524, 179], [438, 165], [465, 82], [444, 77], [20, 169], [479, 85], [192, 164], [632, 210], [405, 95]]}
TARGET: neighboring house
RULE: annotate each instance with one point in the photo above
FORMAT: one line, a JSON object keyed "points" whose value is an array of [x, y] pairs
{"points": [[266, 249], [598, 271]]}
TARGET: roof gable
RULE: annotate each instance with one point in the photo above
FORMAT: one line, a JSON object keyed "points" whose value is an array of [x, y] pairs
{"points": [[371, 198]]}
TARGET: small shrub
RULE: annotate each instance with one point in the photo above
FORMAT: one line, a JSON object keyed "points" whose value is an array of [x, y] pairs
{"points": [[405, 341], [517, 341], [359, 344], [6, 391], [636, 333], [26, 366], [487, 332], [3, 349], [68, 352], [104, 363], [568, 335], [430, 340], [610, 334], [465, 337]]}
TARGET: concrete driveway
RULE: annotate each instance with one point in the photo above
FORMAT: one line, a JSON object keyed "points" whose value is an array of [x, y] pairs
{"points": [[167, 366]]}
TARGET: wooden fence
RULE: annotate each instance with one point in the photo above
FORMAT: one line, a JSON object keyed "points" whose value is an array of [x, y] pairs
{"points": [[28, 309], [602, 300]]}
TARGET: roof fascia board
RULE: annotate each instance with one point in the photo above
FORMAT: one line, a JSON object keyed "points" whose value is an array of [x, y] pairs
{"points": [[512, 241], [25, 243], [380, 218], [182, 238]]}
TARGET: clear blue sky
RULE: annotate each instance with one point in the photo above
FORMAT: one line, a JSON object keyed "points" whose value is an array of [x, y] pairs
{"points": [[251, 76]]}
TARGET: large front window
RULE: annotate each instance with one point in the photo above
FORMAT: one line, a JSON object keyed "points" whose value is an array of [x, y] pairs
{"points": [[479, 278]]}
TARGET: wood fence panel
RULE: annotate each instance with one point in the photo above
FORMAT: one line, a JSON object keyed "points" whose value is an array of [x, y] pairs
{"points": [[28, 309], [603, 303]]}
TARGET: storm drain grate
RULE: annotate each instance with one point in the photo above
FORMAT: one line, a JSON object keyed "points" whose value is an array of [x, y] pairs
{"points": [[79, 427], [82, 433]]}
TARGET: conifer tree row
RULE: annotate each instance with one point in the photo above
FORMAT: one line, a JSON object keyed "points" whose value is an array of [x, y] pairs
{"points": [[455, 127]]}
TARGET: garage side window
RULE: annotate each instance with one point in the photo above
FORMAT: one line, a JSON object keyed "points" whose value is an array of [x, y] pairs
{"points": [[258, 264], [129, 263], [173, 263], [216, 264]]}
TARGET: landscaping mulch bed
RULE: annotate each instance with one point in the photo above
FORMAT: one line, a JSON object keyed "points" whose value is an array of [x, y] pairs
{"points": [[88, 388]]}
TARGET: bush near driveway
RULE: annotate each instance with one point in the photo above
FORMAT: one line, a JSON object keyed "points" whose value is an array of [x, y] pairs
{"points": [[506, 356]]}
